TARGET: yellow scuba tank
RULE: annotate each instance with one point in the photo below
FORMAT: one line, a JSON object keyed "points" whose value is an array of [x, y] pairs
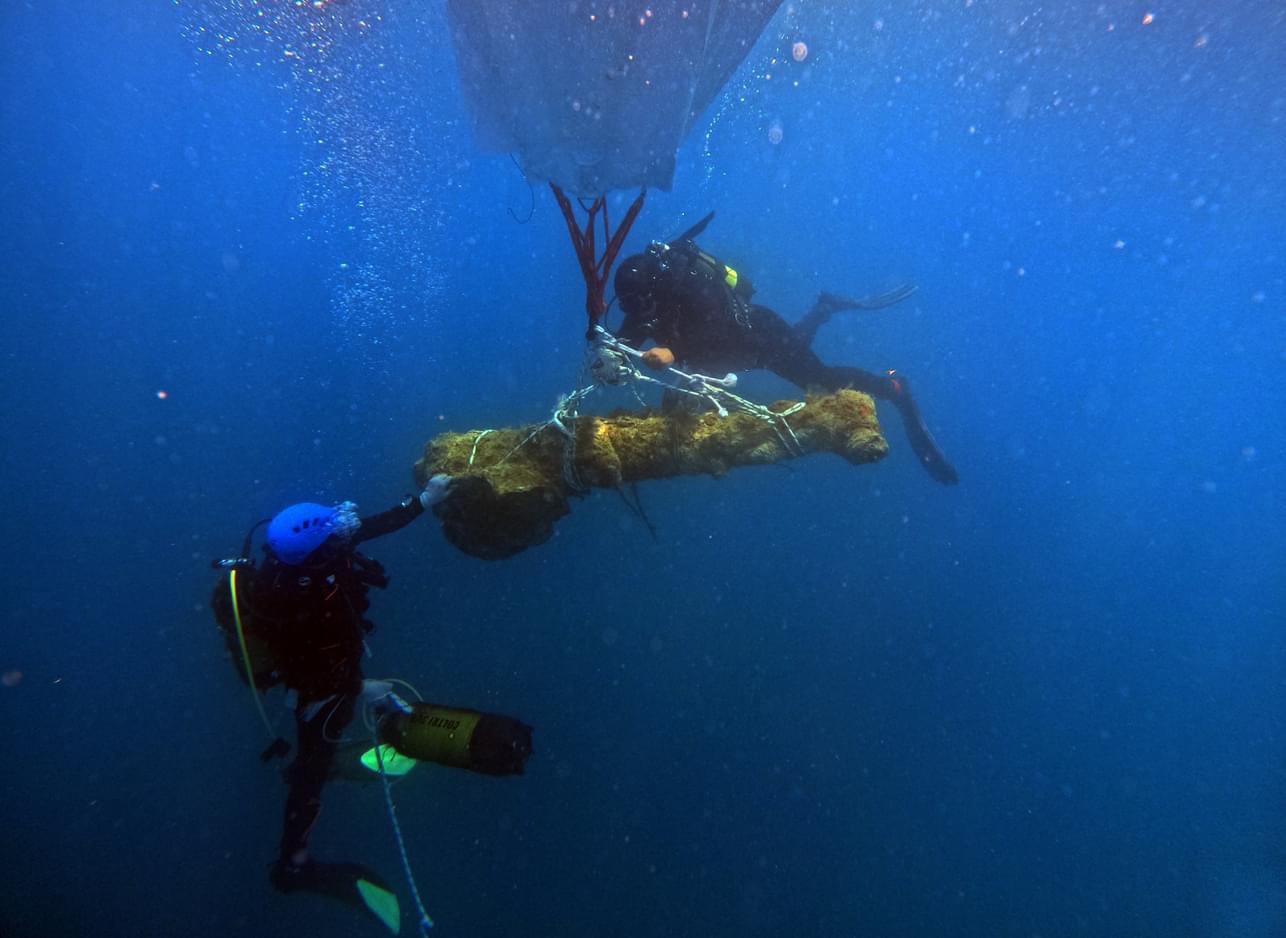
{"points": [[465, 739]]}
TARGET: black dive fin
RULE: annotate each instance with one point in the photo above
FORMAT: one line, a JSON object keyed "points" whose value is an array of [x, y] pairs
{"points": [[692, 233], [922, 442], [350, 883]]}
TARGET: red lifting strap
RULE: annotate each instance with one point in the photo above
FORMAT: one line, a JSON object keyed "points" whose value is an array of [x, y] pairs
{"points": [[595, 269]]}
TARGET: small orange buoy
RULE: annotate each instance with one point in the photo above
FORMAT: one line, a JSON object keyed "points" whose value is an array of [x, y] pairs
{"points": [[658, 358]]}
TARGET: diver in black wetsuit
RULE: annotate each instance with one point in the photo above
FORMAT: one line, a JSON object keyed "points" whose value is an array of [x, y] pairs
{"points": [[301, 615], [698, 311]]}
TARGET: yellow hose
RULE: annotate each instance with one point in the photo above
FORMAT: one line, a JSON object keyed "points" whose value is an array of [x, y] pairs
{"points": [[245, 654]]}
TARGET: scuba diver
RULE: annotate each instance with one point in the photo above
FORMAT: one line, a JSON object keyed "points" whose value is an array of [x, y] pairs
{"points": [[297, 619], [698, 311]]}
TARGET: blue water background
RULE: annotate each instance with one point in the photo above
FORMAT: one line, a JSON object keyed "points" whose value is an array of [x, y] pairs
{"points": [[825, 700]]}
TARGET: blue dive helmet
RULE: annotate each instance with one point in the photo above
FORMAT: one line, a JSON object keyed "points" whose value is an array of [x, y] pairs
{"points": [[295, 532]]}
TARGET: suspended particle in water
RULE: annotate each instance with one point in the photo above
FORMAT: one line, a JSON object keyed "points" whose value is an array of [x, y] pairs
{"points": [[776, 132], [1148, 19], [799, 51], [162, 394], [1018, 103]]}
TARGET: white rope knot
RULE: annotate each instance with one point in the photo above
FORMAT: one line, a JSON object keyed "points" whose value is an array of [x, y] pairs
{"points": [[609, 366]]}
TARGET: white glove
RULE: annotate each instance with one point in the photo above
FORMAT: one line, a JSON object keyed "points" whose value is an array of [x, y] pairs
{"points": [[438, 488]]}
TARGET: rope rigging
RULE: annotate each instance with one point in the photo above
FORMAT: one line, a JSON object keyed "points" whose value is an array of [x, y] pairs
{"points": [[612, 363], [595, 268]]}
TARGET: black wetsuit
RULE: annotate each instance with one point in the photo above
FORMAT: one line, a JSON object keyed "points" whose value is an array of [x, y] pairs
{"points": [[311, 618], [682, 298]]}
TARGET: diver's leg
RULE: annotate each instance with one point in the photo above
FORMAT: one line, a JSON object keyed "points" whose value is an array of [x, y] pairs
{"points": [[800, 365], [793, 360], [828, 304], [317, 726], [825, 307], [320, 727]]}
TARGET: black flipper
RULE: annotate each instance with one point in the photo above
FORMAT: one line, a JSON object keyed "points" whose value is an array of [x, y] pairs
{"points": [[927, 450], [692, 233], [876, 301], [349, 883], [828, 304], [922, 443]]}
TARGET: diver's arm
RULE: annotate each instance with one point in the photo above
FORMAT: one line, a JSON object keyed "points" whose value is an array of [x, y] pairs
{"points": [[406, 511], [634, 331], [386, 522]]}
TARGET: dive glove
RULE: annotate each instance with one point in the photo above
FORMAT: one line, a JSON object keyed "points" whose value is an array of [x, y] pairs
{"points": [[436, 489]]}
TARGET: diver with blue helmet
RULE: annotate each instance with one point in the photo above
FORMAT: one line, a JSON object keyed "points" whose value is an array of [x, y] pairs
{"points": [[297, 619]]}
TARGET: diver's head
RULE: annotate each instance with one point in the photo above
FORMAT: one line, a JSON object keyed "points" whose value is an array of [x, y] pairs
{"points": [[634, 282], [295, 533]]}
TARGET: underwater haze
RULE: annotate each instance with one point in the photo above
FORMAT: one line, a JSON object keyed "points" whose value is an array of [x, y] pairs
{"points": [[252, 256]]}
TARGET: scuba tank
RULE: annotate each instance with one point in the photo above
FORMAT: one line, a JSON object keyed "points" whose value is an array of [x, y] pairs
{"points": [[464, 739], [682, 269]]}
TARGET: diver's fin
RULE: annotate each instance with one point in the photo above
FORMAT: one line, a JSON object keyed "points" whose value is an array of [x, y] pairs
{"points": [[828, 304], [889, 298], [922, 442], [349, 764], [928, 452], [357, 762], [394, 764], [382, 903], [692, 233], [350, 883], [836, 303]]}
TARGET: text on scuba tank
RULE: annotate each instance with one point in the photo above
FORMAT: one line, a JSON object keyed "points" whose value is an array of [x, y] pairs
{"points": [[441, 723]]}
